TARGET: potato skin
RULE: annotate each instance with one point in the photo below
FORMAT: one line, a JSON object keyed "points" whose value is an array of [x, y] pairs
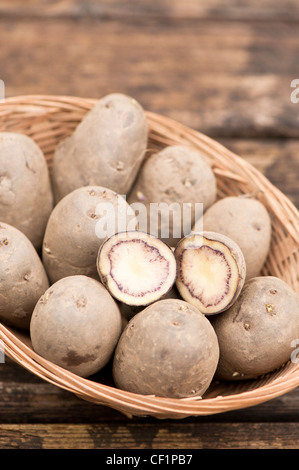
{"points": [[106, 148], [176, 174], [169, 350], [76, 325], [22, 277], [255, 334], [246, 221], [26, 198], [71, 243]]}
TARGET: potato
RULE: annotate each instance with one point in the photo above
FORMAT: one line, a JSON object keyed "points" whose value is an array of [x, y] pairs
{"points": [[255, 335], [179, 176], [22, 277], [76, 325], [246, 221], [211, 271], [136, 268], [72, 238], [106, 148], [26, 198], [169, 349]]}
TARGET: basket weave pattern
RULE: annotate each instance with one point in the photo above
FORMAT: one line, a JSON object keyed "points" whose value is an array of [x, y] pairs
{"points": [[50, 119]]}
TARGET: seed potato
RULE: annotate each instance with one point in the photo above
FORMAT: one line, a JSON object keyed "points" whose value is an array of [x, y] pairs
{"points": [[26, 198], [22, 277], [246, 221], [255, 335], [76, 325], [72, 241], [106, 149], [169, 349], [175, 176]]}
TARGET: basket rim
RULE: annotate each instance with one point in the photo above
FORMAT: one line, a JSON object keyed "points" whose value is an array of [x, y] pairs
{"points": [[126, 402]]}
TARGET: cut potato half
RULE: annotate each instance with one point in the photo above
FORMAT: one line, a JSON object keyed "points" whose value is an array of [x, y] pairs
{"points": [[210, 271], [137, 268]]}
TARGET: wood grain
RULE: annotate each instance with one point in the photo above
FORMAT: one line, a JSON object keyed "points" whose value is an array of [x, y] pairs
{"points": [[239, 10], [223, 78], [145, 436], [277, 159], [224, 69]]}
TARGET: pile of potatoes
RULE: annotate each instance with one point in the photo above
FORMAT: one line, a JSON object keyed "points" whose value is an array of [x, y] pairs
{"points": [[168, 314]]}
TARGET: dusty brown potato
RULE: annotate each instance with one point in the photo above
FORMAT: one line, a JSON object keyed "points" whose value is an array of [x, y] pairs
{"points": [[72, 238], [26, 198], [255, 335], [247, 222], [23, 277], [211, 271], [76, 325], [169, 349], [106, 149], [177, 176]]}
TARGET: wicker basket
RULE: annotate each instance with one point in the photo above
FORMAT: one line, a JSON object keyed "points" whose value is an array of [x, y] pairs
{"points": [[49, 119]]}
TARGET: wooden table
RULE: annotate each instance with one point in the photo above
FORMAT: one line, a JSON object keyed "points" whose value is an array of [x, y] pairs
{"points": [[224, 70]]}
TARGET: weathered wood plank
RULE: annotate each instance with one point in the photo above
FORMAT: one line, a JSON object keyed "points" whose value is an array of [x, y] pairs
{"points": [[225, 79], [225, 70], [244, 10], [277, 159], [146, 436], [27, 399]]}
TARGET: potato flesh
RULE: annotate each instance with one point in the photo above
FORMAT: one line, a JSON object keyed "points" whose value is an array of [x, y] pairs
{"points": [[137, 268], [208, 273]]}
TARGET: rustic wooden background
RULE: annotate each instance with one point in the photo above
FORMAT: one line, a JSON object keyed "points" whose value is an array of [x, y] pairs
{"points": [[224, 68]]}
